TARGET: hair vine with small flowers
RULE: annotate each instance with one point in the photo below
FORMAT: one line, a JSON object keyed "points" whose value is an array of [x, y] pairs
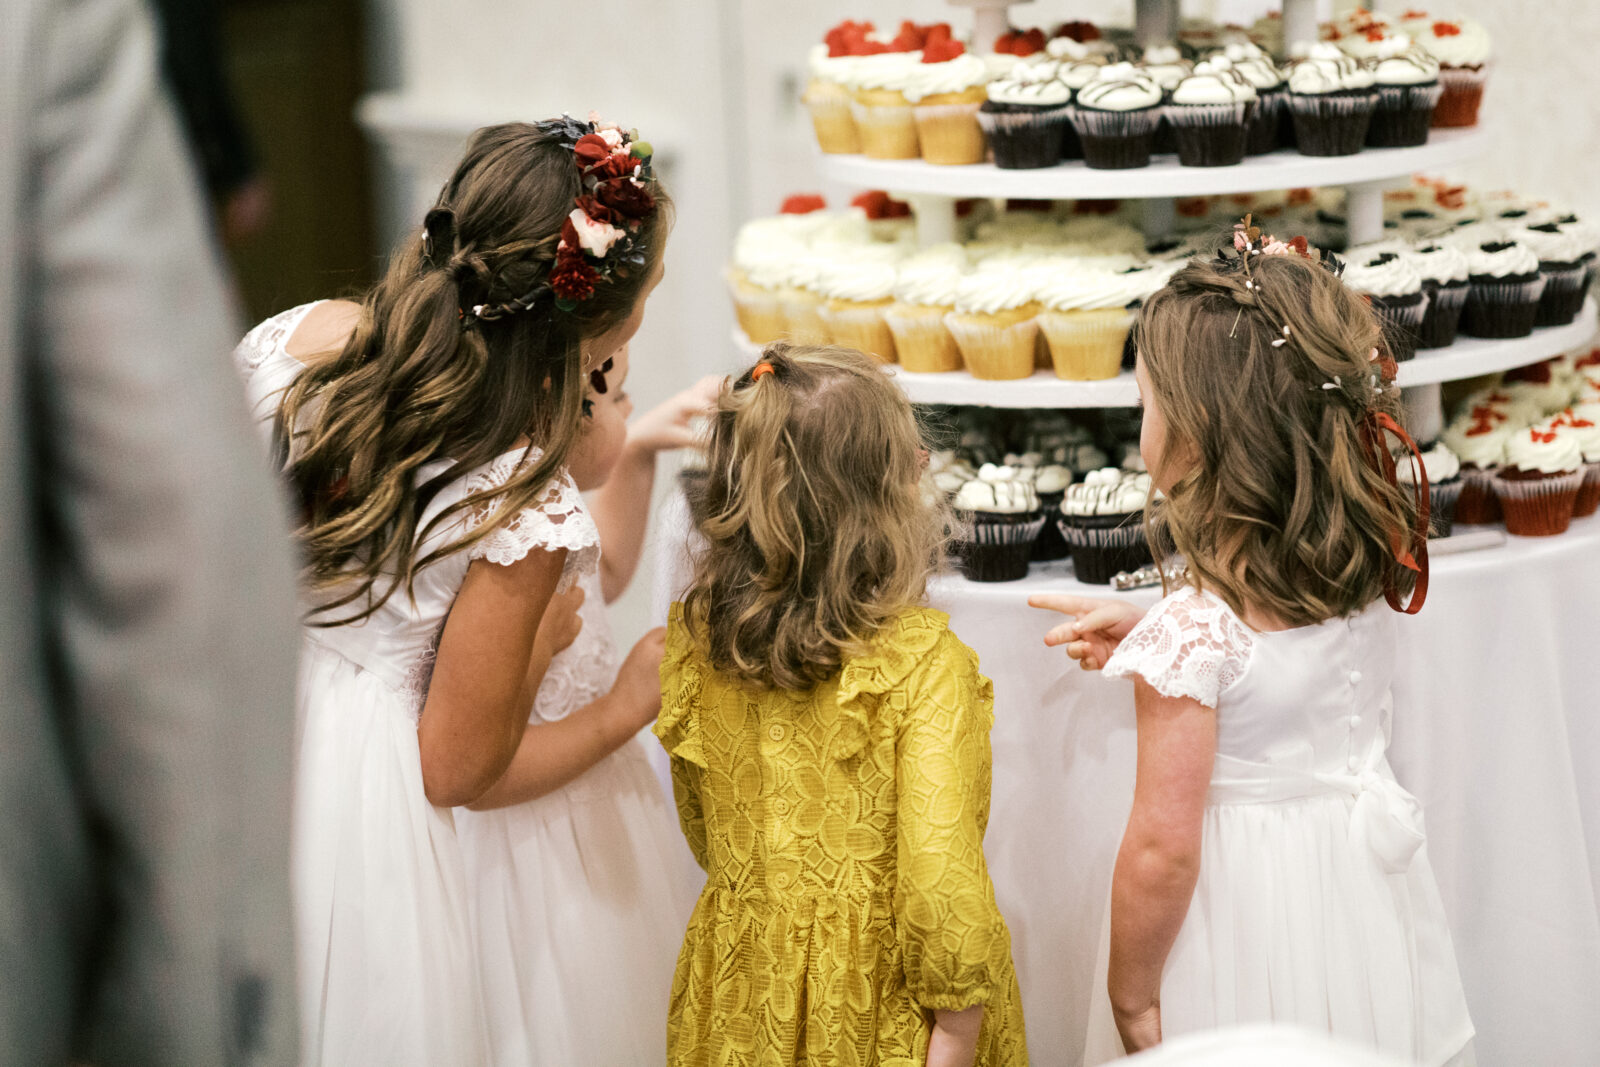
{"points": [[602, 234], [1250, 243]]}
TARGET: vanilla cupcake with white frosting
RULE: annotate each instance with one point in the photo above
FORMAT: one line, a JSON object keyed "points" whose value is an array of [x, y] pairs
{"points": [[993, 321], [946, 89], [855, 292], [924, 293], [1331, 98], [1086, 310]]}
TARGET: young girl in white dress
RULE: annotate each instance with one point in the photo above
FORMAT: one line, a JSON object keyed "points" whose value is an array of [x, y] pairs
{"points": [[1272, 869], [573, 861], [425, 431]]}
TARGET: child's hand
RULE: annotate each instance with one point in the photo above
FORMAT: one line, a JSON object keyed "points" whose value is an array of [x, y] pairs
{"points": [[561, 624], [1099, 626], [666, 426], [636, 696]]}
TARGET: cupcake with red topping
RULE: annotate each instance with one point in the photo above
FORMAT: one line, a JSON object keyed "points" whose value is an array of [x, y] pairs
{"points": [[1480, 444], [1582, 424], [1462, 49], [827, 93], [946, 89], [885, 124], [1538, 486]]}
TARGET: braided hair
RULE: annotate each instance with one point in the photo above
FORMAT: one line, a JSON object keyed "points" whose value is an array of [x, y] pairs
{"points": [[445, 363], [1267, 371]]}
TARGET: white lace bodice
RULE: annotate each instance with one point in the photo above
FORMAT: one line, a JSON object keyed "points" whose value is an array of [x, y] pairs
{"points": [[397, 642], [1314, 699], [587, 668]]}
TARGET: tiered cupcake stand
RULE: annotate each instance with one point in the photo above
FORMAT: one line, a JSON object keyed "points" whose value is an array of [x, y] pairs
{"points": [[1496, 730]]}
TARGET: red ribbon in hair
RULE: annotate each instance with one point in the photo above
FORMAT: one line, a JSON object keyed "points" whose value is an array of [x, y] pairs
{"points": [[1413, 556]]}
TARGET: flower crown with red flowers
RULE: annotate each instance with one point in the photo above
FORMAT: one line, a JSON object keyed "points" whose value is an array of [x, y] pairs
{"points": [[602, 232]]}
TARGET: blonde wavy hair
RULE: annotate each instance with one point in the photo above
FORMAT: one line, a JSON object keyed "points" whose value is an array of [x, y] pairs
{"points": [[817, 532], [421, 378], [1283, 509]]}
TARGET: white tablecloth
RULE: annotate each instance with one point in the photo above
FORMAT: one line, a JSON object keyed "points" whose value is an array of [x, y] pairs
{"points": [[1497, 731]]}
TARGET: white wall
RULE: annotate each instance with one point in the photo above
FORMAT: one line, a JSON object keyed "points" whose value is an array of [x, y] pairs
{"points": [[713, 84]]}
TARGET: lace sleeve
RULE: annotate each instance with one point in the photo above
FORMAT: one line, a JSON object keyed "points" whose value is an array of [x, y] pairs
{"points": [[269, 337], [557, 520], [1190, 645]]}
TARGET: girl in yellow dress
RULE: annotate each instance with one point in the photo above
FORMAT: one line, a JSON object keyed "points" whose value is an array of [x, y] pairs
{"points": [[830, 746]]}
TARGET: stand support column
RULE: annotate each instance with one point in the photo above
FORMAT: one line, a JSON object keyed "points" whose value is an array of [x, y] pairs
{"points": [[936, 218]]}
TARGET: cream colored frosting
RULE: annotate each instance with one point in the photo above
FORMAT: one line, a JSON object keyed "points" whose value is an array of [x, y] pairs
{"points": [[965, 71], [1583, 426], [1474, 442], [1502, 259], [1438, 263], [1213, 82], [862, 280], [1409, 66], [1000, 288], [1536, 449], [1107, 491], [1381, 273], [1467, 48], [931, 277], [1553, 243], [1033, 85], [1326, 69], [1120, 87], [1438, 463], [1002, 496], [1052, 478]]}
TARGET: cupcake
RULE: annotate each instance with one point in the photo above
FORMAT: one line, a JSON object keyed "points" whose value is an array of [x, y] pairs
{"points": [[1209, 113], [827, 95], [1583, 422], [993, 323], [1590, 236], [1538, 486], [1076, 66], [1443, 271], [1443, 471], [1331, 100], [924, 293], [1506, 290], [945, 90], [1026, 117], [1100, 520], [1255, 67], [1480, 445], [1116, 117], [885, 122], [1394, 289], [1582, 425], [855, 294], [1462, 49], [1001, 518], [1085, 316], [1408, 89], [1562, 265], [1050, 482]]}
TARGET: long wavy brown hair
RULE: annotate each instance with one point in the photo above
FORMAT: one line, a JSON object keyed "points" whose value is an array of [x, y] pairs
{"points": [[421, 378], [1282, 509], [817, 532]]}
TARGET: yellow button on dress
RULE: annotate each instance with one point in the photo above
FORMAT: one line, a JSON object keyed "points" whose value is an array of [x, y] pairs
{"points": [[841, 831]]}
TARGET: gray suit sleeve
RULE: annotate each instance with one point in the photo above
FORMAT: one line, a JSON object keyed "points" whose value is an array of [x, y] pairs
{"points": [[169, 577]]}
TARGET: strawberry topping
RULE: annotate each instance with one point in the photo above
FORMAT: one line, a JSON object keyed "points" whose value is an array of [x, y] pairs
{"points": [[877, 204], [802, 204]]}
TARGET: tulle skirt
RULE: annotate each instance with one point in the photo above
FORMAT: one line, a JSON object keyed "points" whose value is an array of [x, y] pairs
{"points": [[1293, 922], [580, 903], [387, 970]]}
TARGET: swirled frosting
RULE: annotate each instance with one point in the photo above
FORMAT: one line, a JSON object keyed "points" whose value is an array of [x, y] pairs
{"points": [[1553, 243], [1439, 463], [1542, 450], [886, 70], [1004, 497], [1120, 87], [1458, 43], [1326, 69], [998, 287], [931, 277], [1438, 263], [1214, 81], [1166, 65], [1409, 66], [1478, 442], [862, 280], [1381, 273], [1502, 259], [950, 76], [1107, 491], [1085, 285], [1033, 85], [1583, 426]]}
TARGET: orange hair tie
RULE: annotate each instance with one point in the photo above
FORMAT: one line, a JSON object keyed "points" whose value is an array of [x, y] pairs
{"points": [[760, 369]]}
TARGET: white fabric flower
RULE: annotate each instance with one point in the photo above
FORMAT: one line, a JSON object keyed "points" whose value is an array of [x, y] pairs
{"points": [[595, 237]]}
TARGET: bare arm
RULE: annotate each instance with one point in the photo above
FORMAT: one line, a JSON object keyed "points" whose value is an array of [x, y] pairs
{"points": [[1160, 856], [621, 508], [553, 754], [479, 697]]}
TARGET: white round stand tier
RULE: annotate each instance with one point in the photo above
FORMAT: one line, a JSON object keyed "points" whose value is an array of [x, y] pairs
{"points": [[1467, 358], [1284, 169]]}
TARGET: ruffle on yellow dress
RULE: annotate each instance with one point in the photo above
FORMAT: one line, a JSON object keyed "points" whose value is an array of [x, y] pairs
{"points": [[841, 831]]}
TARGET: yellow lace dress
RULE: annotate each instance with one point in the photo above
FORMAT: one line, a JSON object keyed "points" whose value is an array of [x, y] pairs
{"points": [[841, 831]]}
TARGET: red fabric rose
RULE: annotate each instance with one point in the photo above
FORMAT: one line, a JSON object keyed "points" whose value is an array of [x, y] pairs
{"points": [[625, 199], [573, 277], [596, 210], [1300, 245], [569, 233], [591, 149]]}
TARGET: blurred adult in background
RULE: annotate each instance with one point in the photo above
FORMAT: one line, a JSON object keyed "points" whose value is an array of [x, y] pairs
{"points": [[192, 60], [147, 633]]}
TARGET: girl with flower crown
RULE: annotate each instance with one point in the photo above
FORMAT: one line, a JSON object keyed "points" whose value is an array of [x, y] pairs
{"points": [[1272, 869], [426, 431]]}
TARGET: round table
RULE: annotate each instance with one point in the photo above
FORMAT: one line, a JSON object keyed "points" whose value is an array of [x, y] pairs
{"points": [[1496, 730]]}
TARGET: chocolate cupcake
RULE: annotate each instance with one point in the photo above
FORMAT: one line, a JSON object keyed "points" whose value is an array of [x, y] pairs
{"points": [[1506, 290], [1443, 470], [1408, 89], [1394, 290], [1051, 482], [1076, 65], [1443, 271], [1001, 518], [1562, 265], [1210, 113], [1166, 65], [1116, 117], [1101, 522], [1331, 98], [1263, 133], [1027, 116]]}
